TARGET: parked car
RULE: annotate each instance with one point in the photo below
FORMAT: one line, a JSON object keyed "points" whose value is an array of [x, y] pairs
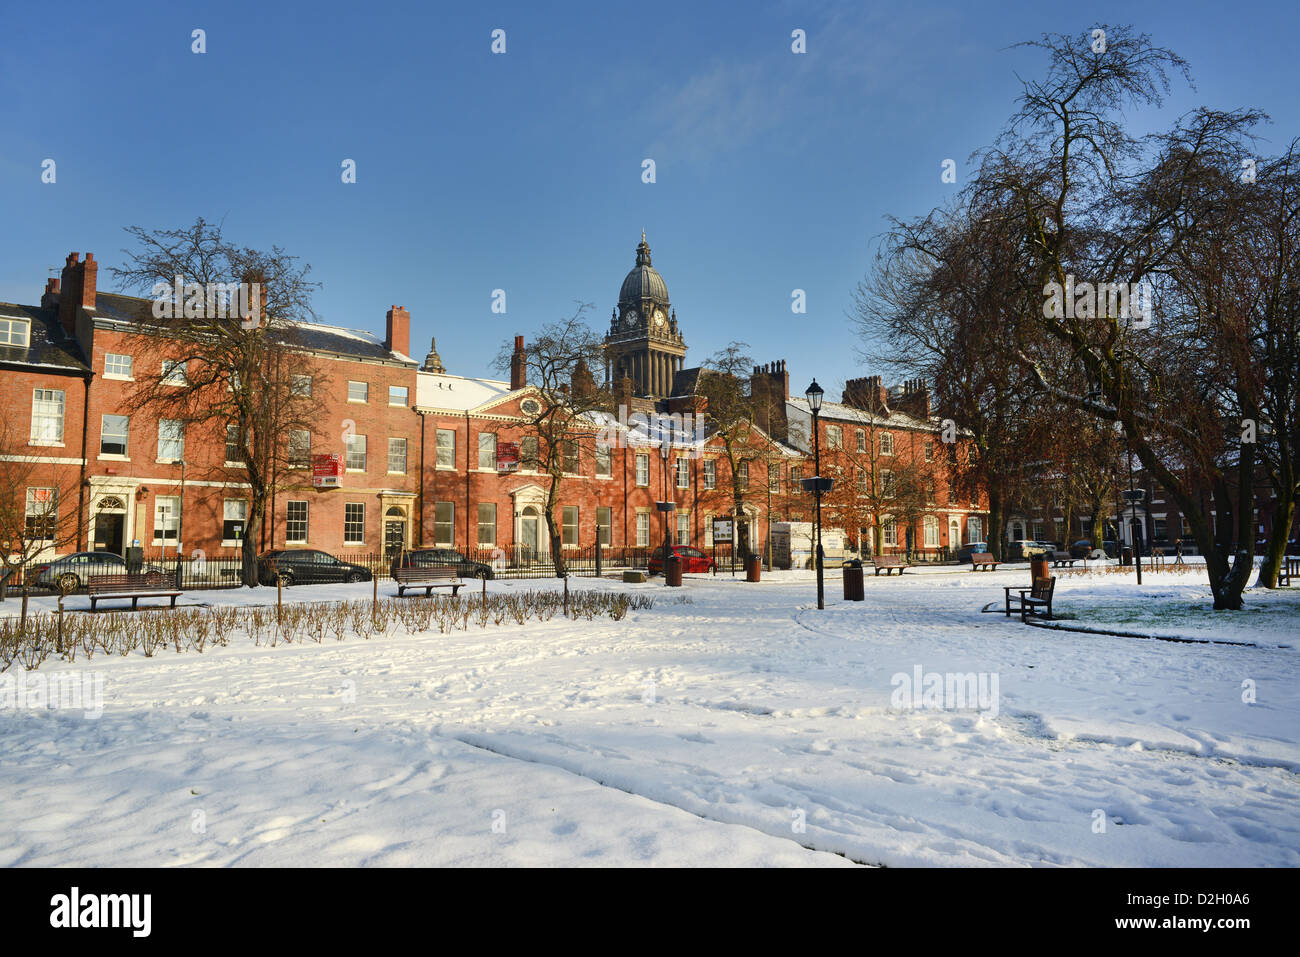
{"points": [[1084, 548], [306, 566], [966, 551], [69, 573], [693, 560], [1025, 549], [427, 557]]}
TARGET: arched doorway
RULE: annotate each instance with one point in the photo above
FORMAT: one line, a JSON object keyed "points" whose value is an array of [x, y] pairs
{"points": [[110, 525], [394, 531], [530, 533]]}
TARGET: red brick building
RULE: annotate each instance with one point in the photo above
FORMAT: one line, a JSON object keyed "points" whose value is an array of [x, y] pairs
{"points": [[428, 457]]}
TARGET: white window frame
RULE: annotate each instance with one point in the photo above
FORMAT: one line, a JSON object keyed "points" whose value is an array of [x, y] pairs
{"points": [[9, 329], [449, 447], [405, 395], [351, 450], [175, 440], [125, 436], [350, 523], [290, 521], [487, 450], [49, 409], [174, 372], [363, 392], [118, 360], [643, 470], [168, 508], [402, 470], [226, 517], [486, 532], [642, 529]]}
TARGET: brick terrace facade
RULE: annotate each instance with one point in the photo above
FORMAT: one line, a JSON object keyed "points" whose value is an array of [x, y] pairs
{"points": [[429, 473]]}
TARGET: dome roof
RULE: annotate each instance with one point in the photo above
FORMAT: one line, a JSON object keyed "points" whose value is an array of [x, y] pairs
{"points": [[644, 281]]}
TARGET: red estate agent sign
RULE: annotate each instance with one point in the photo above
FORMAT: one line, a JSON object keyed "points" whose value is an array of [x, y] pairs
{"points": [[507, 456], [326, 470]]}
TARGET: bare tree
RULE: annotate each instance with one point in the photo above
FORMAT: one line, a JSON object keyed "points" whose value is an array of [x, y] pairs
{"points": [[37, 507], [239, 378], [725, 384], [571, 407]]}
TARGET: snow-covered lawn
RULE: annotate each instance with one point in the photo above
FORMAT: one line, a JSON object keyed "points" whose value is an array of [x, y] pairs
{"points": [[744, 727]]}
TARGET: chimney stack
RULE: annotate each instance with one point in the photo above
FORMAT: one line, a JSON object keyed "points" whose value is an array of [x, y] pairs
{"points": [[916, 398], [77, 290], [398, 337], [50, 300], [518, 365], [867, 394]]}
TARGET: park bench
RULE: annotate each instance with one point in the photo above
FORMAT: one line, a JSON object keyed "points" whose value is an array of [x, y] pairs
{"points": [[979, 560], [1290, 569], [888, 563], [1036, 601], [1062, 560], [132, 585], [427, 577]]}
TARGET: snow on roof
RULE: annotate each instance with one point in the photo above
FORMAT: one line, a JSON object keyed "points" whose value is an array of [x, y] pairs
{"points": [[457, 393], [847, 413]]}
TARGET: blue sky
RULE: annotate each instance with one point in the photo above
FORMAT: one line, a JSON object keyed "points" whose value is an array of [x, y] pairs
{"points": [[522, 171]]}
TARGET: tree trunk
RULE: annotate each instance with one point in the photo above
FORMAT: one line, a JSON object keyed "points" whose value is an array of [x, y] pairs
{"points": [[553, 530], [994, 535], [1275, 553]]}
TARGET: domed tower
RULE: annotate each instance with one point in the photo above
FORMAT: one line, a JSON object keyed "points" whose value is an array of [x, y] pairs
{"points": [[643, 341]]}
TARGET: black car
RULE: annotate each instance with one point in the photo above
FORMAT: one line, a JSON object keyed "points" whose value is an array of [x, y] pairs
{"points": [[971, 548], [306, 566], [428, 557]]}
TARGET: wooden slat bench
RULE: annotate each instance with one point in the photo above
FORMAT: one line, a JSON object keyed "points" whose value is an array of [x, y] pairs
{"points": [[1290, 569], [1062, 560], [427, 577], [1036, 601], [981, 560], [888, 563], [132, 585]]}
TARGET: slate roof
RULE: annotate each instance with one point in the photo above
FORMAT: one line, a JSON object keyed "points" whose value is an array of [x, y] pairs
{"points": [[316, 337], [47, 345]]}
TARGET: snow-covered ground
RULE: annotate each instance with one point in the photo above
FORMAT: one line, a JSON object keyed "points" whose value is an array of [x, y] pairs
{"points": [[742, 727]]}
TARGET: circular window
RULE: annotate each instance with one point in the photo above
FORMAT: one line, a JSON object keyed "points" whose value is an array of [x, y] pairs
{"points": [[530, 406]]}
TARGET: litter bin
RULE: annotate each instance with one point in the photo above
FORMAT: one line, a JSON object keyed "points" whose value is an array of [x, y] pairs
{"points": [[1126, 556], [673, 572], [134, 559], [753, 567], [1040, 566], [853, 580]]}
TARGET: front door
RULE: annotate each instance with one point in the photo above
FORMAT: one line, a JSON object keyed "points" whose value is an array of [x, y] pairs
{"points": [[954, 533], [108, 532], [529, 531]]}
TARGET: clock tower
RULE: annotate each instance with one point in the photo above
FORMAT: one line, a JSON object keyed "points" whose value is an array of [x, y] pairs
{"points": [[643, 341]]}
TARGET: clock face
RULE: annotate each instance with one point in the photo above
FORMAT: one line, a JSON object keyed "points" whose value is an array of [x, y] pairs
{"points": [[629, 318], [660, 318]]}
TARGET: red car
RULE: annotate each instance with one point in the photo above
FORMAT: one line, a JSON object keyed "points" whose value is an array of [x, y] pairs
{"points": [[693, 560]]}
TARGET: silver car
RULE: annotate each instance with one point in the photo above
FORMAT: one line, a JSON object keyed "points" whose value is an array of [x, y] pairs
{"points": [[70, 573]]}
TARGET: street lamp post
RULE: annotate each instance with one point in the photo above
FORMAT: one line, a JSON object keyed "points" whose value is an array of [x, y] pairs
{"points": [[814, 395], [668, 505]]}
